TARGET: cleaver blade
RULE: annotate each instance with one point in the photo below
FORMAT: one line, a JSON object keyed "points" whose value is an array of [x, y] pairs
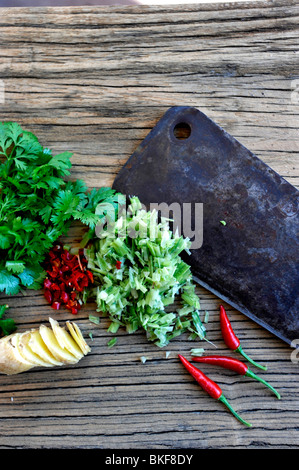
{"points": [[250, 224]]}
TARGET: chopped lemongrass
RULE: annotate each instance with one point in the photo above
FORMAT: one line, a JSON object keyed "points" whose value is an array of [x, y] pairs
{"points": [[223, 222], [112, 342], [143, 359], [113, 327], [197, 352], [94, 319], [152, 276], [167, 354], [206, 317]]}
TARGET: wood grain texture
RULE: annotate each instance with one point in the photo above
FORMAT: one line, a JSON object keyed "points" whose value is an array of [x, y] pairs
{"points": [[94, 81]]}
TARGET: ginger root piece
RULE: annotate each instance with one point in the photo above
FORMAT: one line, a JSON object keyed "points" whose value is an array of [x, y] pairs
{"points": [[42, 347]]}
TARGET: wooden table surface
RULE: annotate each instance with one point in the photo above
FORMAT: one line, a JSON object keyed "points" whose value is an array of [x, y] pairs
{"points": [[94, 81]]}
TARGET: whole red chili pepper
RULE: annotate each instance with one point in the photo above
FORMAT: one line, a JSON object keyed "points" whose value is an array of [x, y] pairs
{"points": [[235, 365], [231, 340], [210, 387]]}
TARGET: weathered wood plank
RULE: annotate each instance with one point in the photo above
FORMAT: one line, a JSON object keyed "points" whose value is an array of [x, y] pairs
{"points": [[95, 80]]}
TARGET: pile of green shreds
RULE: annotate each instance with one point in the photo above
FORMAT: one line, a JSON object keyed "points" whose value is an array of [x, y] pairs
{"points": [[139, 273]]}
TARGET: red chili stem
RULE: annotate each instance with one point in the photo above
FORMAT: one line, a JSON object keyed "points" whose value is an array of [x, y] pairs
{"points": [[251, 374], [240, 351], [231, 340], [227, 404], [234, 365], [210, 387]]}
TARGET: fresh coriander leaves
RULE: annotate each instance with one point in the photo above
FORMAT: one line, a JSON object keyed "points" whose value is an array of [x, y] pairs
{"points": [[7, 326], [37, 206]]}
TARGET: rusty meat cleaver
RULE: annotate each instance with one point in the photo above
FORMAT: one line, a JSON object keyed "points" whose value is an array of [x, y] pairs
{"points": [[251, 262]]}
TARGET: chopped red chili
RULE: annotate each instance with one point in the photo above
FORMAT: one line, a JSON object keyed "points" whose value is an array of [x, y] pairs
{"points": [[56, 305], [67, 277], [118, 264]]}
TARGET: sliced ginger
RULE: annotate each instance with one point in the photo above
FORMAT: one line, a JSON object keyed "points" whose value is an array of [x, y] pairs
{"points": [[43, 347], [38, 346], [65, 340], [77, 336], [27, 353]]}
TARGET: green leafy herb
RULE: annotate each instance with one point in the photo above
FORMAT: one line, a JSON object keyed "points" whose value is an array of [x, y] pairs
{"points": [[37, 206], [7, 326]]}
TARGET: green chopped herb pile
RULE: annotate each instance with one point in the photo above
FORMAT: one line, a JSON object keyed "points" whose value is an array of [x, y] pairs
{"points": [[139, 276]]}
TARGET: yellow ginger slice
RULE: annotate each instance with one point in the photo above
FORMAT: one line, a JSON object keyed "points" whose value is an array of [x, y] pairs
{"points": [[51, 342], [65, 340], [78, 337], [27, 353], [10, 360], [15, 340], [38, 346]]}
